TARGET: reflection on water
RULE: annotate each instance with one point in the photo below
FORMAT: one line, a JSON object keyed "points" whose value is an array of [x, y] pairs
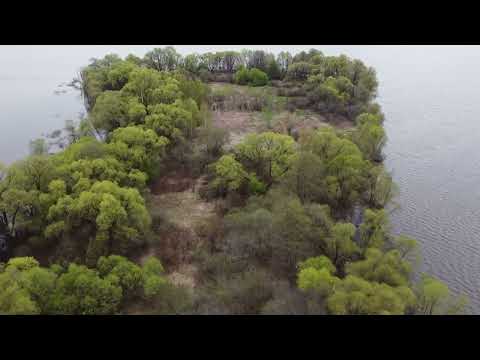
{"points": [[432, 105]]}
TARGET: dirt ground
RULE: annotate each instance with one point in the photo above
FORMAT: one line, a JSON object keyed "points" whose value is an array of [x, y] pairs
{"points": [[239, 124], [187, 216]]}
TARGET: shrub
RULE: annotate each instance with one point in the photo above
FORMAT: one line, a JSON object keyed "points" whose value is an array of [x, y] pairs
{"points": [[252, 77]]}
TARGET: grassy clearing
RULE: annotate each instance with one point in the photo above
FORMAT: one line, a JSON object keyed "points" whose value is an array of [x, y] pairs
{"points": [[183, 221]]}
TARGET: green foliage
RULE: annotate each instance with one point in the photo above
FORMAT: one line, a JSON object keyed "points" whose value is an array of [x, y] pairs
{"points": [[318, 263], [129, 275], [370, 138], [298, 71], [380, 188], [26, 288], [137, 147], [267, 154], [273, 70], [343, 166], [116, 216], [251, 77], [339, 246], [388, 268], [374, 229], [229, 174], [434, 298], [80, 291]]}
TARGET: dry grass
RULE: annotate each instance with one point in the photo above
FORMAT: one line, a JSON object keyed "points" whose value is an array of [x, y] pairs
{"points": [[237, 123], [189, 219]]}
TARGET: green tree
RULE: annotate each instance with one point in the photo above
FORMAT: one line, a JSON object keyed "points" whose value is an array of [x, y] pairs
{"points": [[370, 139], [81, 291], [137, 147], [339, 246], [375, 228], [434, 298], [229, 174], [388, 268], [268, 154], [273, 70], [130, 275]]}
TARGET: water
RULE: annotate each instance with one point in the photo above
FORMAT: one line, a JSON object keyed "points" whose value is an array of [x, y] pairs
{"points": [[429, 94]]}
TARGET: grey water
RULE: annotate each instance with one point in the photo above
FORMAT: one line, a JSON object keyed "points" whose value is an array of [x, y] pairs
{"points": [[431, 99]]}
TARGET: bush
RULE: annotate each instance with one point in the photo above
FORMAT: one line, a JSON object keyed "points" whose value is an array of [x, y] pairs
{"points": [[252, 77], [258, 77]]}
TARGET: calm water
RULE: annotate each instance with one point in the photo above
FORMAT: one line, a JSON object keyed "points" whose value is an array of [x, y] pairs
{"points": [[431, 99]]}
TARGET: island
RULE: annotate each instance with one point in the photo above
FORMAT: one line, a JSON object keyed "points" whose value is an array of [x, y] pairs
{"points": [[215, 183]]}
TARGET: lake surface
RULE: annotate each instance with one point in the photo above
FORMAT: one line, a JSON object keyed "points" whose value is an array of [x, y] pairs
{"points": [[429, 94]]}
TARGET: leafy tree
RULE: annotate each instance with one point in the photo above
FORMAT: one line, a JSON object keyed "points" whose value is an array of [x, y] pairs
{"points": [[267, 154], [405, 245], [380, 188], [25, 288], [137, 147], [151, 87], [110, 111], [306, 176], [284, 59], [388, 268], [169, 120], [375, 229], [370, 139], [434, 298], [166, 59], [343, 163], [81, 291], [129, 275], [114, 217], [339, 246], [298, 71], [229, 174]]}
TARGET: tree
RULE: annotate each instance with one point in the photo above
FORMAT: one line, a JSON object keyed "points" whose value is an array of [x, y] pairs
{"points": [[353, 295], [229, 174], [137, 147], [388, 268], [375, 229], [130, 275], [380, 188], [110, 111], [169, 120], [273, 70], [38, 147], [81, 291], [166, 59], [25, 288], [114, 218], [434, 298], [343, 163], [152, 87], [246, 293], [298, 71], [267, 154], [305, 176], [339, 246], [284, 59], [370, 139]]}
